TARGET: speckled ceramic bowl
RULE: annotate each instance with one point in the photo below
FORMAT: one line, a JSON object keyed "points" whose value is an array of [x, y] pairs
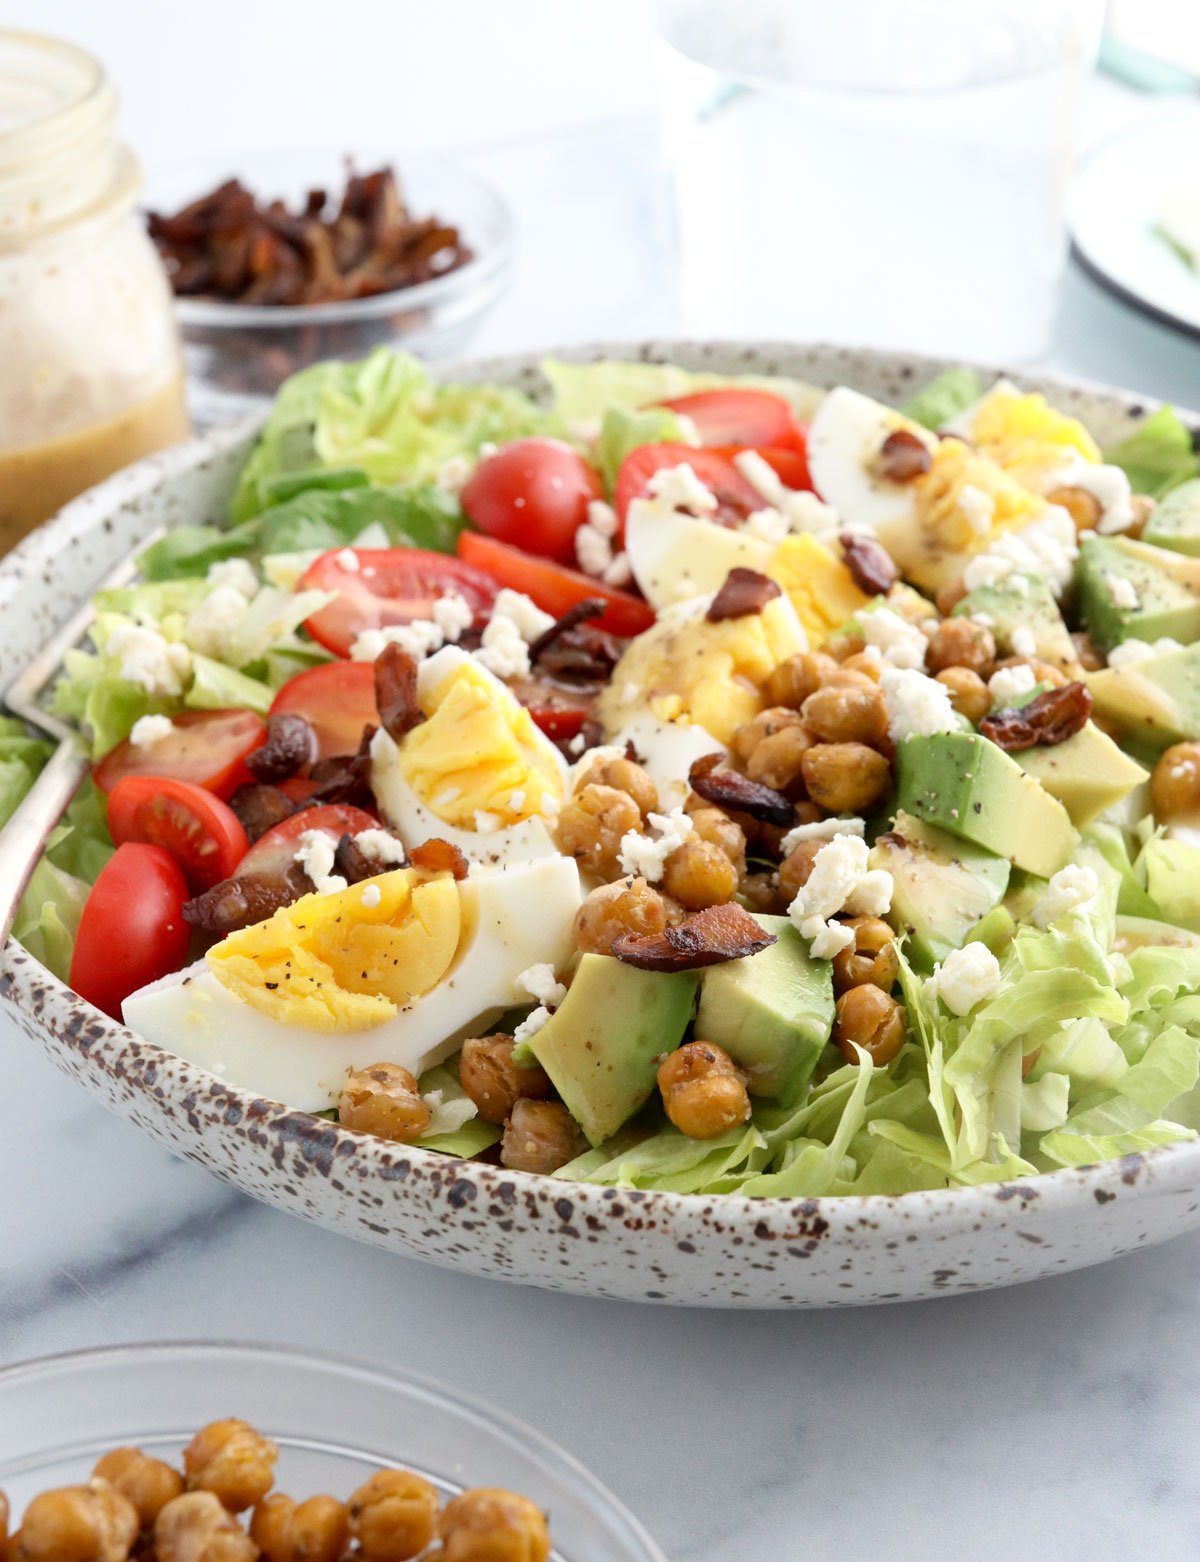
{"points": [[687, 1250]]}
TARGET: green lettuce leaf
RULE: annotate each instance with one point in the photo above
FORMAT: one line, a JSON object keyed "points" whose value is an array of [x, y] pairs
{"points": [[21, 760], [1172, 871], [190, 550], [946, 396], [47, 919], [625, 429], [455, 1128], [1133, 900], [586, 391], [1158, 455]]}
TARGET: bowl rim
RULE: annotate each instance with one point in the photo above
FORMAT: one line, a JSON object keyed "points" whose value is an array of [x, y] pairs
{"points": [[487, 264], [952, 1207]]}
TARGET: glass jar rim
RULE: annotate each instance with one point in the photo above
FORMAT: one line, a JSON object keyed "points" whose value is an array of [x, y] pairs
{"points": [[81, 100]]}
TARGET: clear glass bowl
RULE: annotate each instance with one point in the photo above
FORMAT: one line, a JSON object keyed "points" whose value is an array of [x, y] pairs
{"points": [[336, 1421], [238, 355]]}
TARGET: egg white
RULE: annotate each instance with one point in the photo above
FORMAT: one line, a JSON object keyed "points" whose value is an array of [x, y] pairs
{"points": [[675, 556], [667, 750], [844, 438]]}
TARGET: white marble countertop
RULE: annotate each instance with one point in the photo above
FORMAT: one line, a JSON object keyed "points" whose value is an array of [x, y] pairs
{"points": [[1057, 1419]]}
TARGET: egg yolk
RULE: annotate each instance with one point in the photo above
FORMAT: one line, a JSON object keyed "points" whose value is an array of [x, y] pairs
{"points": [[479, 751], [346, 961], [1027, 437], [819, 585]]}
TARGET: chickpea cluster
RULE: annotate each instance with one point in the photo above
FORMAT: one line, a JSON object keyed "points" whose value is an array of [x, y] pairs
{"points": [[220, 1508]]}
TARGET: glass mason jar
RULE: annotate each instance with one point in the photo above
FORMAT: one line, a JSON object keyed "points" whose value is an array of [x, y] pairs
{"points": [[90, 368]]}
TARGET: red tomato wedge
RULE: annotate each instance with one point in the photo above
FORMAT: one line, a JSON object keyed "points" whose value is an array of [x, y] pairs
{"points": [[534, 494], [736, 499], [552, 586], [202, 833], [790, 466], [337, 699], [559, 710], [388, 586], [132, 930], [739, 417], [207, 748], [273, 853]]}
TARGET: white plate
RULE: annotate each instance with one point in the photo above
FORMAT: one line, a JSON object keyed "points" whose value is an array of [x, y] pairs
{"points": [[1115, 200]]}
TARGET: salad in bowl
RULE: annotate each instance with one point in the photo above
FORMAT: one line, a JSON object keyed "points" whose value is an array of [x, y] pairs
{"points": [[681, 782]]}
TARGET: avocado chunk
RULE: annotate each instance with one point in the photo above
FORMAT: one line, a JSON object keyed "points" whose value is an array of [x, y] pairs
{"points": [[772, 1012], [601, 1047], [1023, 602], [967, 785], [942, 886], [1172, 869], [1155, 702], [1131, 590], [1088, 773], [1175, 521]]}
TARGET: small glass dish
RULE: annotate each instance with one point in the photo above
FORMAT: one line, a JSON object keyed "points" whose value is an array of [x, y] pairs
{"points": [[336, 1420], [238, 355]]}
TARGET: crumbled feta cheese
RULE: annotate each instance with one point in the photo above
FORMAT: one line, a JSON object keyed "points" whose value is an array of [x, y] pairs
{"points": [[1122, 591], [802, 510], [984, 620], [420, 639], [820, 830], [347, 559], [762, 477], [487, 449], [371, 896], [1008, 684], [840, 880], [769, 525], [577, 744], [900, 642], [380, 846], [1130, 652], [1019, 585], [916, 704], [593, 551], [540, 982], [1047, 546], [486, 823], [872, 895], [966, 977], [238, 573], [531, 1024], [453, 615], [1108, 485], [1023, 641], [144, 657], [527, 617], [215, 620], [645, 855], [601, 517], [620, 571], [454, 473], [978, 509], [315, 855], [1070, 887], [826, 938], [689, 434], [680, 488], [503, 651], [151, 730], [630, 693]]}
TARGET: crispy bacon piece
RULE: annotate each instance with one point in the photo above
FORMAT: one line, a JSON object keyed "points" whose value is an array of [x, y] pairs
{"points": [[345, 778], [1049, 719], [903, 457], [353, 863], [396, 692], [590, 607], [438, 856], [260, 807], [871, 566], [291, 744], [744, 592], [730, 789], [708, 937], [236, 903]]}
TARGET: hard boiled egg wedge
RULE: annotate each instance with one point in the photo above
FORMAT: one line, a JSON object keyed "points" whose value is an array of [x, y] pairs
{"points": [[1024, 434], [477, 771], [675, 556], [287, 1007]]}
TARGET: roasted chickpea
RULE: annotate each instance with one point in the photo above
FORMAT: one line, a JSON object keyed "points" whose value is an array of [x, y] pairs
{"points": [[762, 892], [793, 681], [949, 596], [847, 714], [703, 1090], [778, 761], [312, 1531], [93, 1523], [495, 1083], [540, 1136], [1043, 672], [847, 678], [148, 1483], [393, 1516], [843, 645], [868, 663], [198, 1528], [591, 825], [1175, 784], [628, 906], [624, 775], [960, 642], [1083, 507], [796, 867], [846, 778], [872, 1019], [1091, 657], [969, 695], [1143, 508], [232, 1460], [384, 1100], [871, 958], [715, 826], [766, 724], [488, 1525], [699, 874]]}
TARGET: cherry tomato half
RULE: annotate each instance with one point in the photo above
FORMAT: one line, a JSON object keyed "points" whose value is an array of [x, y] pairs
{"points": [[790, 466], [388, 586], [201, 832], [558, 709], [207, 748], [736, 498], [337, 699], [533, 494], [132, 930], [552, 586], [273, 853], [739, 417]]}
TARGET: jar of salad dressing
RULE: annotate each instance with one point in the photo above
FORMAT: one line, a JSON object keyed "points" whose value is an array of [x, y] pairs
{"points": [[90, 368]]}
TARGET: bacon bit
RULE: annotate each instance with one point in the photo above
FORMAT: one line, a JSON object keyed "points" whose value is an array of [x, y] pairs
{"points": [[590, 607], [260, 807], [1049, 719], [871, 566], [438, 856], [396, 692], [903, 457], [291, 744], [744, 592], [237, 903], [708, 937], [353, 863], [729, 789]]}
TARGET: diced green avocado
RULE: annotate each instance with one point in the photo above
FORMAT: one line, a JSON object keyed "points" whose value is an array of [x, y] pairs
{"points": [[942, 886], [1023, 602], [1155, 702], [967, 785], [995, 930], [602, 1045], [1172, 870], [772, 1012], [1132, 591], [1024, 892], [1088, 773], [1175, 521]]}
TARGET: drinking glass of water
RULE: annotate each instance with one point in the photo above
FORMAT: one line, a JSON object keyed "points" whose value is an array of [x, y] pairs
{"points": [[889, 172]]}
